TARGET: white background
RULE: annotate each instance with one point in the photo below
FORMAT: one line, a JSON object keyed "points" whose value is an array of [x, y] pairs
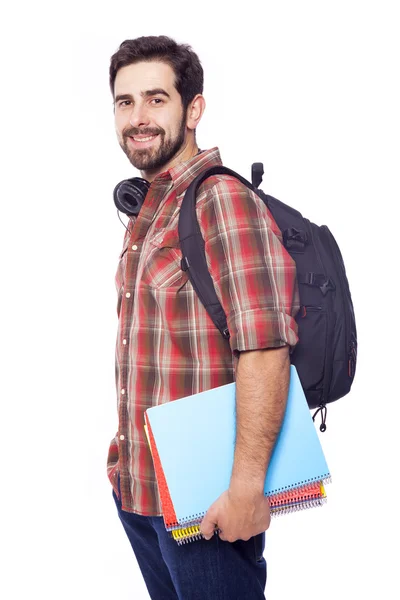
{"points": [[309, 88]]}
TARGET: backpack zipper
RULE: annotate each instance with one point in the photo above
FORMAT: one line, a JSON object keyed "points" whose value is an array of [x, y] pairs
{"points": [[352, 359], [328, 348], [350, 345], [316, 249], [306, 308], [337, 254]]}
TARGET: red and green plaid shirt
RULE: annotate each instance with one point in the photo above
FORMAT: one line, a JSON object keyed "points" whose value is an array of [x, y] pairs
{"points": [[167, 346]]}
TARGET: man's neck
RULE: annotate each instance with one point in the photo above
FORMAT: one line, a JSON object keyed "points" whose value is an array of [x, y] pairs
{"points": [[185, 153]]}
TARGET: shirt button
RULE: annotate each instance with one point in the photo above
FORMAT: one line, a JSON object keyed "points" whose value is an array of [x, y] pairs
{"points": [[128, 294], [124, 342], [122, 437], [122, 391], [134, 247]]}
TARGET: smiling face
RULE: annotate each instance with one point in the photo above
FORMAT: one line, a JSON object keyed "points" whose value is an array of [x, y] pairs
{"points": [[150, 123]]}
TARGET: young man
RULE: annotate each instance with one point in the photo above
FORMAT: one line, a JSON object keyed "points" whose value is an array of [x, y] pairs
{"points": [[167, 346]]}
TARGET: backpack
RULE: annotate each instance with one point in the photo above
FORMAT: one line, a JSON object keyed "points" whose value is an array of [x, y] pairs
{"points": [[326, 353]]}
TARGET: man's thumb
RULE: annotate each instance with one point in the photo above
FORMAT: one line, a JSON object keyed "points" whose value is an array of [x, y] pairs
{"points": [[207, 526]]}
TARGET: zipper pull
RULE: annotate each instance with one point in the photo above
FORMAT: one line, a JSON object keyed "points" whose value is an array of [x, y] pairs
{"points": [[352, 359], [324, 411]]}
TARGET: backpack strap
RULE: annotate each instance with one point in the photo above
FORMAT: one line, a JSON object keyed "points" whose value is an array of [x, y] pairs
{"points": [[257, 172], [193, 248]]}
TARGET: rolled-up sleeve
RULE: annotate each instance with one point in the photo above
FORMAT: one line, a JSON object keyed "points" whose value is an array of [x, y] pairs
{"points": [[254, 276]]}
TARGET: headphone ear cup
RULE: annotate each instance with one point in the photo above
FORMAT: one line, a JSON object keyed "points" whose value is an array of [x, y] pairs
{"points": [[130, 194]]}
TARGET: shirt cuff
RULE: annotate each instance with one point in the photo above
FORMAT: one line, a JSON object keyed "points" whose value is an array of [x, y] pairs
{"points": [[261, 328]]}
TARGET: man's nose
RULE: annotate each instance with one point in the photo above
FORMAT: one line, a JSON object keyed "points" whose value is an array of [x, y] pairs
{"points": [[139, 116]]}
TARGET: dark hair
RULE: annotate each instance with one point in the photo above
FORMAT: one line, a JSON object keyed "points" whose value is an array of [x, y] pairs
{"points": [[181, 58]]}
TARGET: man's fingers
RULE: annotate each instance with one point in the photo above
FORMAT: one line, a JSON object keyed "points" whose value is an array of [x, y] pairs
{"points": [[208, 525], [207, 528]]}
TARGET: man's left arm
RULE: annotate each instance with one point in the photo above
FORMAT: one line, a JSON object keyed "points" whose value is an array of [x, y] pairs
{"points": [[255, 280], [262, 383]]}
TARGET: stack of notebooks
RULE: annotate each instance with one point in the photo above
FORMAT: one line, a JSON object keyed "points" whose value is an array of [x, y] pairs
{"points": [[192, 442]]}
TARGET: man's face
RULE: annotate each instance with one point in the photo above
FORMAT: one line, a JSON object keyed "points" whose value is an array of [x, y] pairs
{"points": [[149, 118]]}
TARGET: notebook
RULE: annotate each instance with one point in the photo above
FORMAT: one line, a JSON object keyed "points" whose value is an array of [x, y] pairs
{"points": [[309, 499], [192, 442]]}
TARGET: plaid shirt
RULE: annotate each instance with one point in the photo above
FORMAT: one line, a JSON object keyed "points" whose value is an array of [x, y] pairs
{"points": [[167, 346]]}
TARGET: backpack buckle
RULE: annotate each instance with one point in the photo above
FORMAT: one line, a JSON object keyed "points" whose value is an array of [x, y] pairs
{"points": [[327, 286], [324, 283], [185, 264], [315, 279], [295, 239]]}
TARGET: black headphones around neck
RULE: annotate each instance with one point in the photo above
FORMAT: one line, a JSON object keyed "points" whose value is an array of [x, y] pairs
{"points": [[129, 195]]}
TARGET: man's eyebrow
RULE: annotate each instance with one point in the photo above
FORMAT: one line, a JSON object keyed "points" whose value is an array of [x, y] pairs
{"points": [[146, 94], [155, 92]]}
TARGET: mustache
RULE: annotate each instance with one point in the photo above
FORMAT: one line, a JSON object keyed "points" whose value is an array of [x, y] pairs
{"points": [[146, 131]]}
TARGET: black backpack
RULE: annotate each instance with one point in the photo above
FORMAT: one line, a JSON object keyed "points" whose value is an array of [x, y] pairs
{"points": [[326, 353]]}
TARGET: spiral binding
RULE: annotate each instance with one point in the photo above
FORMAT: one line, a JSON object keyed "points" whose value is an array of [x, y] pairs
{"points": [[189, 534], [186, 521], [302, 484], [298, 506], [307, 492], [185, 535], [193, 520]]}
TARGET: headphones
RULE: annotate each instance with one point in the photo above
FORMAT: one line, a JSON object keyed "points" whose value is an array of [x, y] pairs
{"points": [[129, 195]]}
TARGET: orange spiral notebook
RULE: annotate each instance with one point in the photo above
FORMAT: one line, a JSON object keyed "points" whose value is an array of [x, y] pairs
{"points": [[193, 461], [308, 498]]}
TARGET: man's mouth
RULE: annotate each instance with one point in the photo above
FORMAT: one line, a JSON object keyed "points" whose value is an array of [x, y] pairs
{"points": [[143, 139]]}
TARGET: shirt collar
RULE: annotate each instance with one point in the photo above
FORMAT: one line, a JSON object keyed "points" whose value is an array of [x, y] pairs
{"points": [[184, 173]]}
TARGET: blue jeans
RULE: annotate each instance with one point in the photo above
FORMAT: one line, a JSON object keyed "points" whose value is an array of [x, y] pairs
{"points": [[200, 570]]}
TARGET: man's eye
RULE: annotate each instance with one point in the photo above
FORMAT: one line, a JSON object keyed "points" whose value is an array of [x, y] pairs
{"points": [[122, 103], [156, 100]]}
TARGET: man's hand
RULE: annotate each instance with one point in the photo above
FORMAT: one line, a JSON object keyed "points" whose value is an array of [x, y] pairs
{"points": [[240, 513], [262, 384]]}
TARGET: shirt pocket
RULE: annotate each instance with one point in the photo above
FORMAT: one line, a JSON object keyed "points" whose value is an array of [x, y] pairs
{"points": [[163, 262]]}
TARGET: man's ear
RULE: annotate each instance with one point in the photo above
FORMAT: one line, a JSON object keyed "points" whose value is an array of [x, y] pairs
{"points": [[195, 111]]}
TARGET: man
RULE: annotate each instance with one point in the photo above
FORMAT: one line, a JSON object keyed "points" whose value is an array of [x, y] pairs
{"points": [[167, 346]]}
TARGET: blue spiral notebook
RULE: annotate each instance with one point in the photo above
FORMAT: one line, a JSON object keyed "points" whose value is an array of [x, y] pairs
{"points": [[194, 438]]}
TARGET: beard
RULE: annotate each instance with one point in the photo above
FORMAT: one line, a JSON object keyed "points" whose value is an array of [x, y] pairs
{"points": [[154, 158]]}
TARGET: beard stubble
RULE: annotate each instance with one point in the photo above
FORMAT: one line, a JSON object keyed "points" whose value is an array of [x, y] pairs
{"points": [[149, 159]]}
